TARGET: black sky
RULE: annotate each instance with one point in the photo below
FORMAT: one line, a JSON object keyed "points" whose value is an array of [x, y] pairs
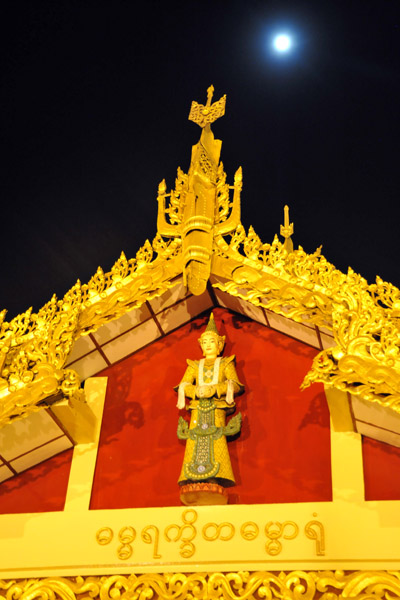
{"points": [[94, 104]]}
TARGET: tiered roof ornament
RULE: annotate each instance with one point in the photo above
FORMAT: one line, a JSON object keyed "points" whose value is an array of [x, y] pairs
{"points": [[200, 235], [199, 208]]}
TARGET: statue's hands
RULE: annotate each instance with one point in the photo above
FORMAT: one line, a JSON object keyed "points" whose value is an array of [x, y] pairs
{"points": [[205, 391]]}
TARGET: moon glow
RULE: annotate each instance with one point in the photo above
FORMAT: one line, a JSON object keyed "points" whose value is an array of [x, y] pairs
{"points": [[282, 42]]}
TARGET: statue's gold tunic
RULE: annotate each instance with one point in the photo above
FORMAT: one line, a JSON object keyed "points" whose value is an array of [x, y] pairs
{"points": [[226, 373]]}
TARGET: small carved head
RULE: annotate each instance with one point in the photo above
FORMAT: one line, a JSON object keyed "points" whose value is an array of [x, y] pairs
{"points": [[211, 344], [210, 341]]}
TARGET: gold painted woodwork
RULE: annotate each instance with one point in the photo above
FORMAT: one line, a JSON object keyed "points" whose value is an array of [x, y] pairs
{"points": [[241, 585], [34, 346], [364, 319], [200, 207], [200, 234]]}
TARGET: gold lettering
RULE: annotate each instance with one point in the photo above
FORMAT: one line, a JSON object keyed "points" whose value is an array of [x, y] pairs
{"points": [[274, 531], [126, 536], [187, 549], [218, 532], [147, 538], [317, 534], [104, 536], [249, 530]]}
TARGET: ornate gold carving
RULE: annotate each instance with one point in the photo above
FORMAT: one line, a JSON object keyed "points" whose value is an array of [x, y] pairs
{"points": [[192, 239], [308, 289], [33, 350], [242, 585], [187, 548], [200, 207], [205, 115], [34, 347]]}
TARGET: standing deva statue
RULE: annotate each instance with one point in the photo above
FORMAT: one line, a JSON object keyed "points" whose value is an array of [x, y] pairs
{"points": [[210, 384]]}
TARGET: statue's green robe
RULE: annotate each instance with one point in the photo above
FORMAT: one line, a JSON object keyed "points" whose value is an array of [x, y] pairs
{"points": [[207, 413]]}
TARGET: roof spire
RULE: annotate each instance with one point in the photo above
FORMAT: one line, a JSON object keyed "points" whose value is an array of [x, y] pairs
{"points": [[287, 230], [210, 93], [200, 209]]}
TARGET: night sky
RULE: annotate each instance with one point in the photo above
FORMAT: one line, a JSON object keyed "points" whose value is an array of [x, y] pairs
{"points": [[94, 104]]}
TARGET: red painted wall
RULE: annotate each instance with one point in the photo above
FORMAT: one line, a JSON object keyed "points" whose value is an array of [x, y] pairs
{"points": [[381, 470], [40, 489]]}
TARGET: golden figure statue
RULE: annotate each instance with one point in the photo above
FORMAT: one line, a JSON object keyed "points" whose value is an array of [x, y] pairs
{"points": [[210, 384]]}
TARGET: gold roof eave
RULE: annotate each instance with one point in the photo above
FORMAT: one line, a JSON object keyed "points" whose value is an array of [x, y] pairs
{"points": [[200, 234]]}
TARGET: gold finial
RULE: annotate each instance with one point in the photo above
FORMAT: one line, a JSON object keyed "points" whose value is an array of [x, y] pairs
{"points": [[210, 93], [287, 230], [206, 114]]}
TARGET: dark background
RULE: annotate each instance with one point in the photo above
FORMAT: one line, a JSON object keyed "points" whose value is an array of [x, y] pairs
{"points": [[94, 104]]}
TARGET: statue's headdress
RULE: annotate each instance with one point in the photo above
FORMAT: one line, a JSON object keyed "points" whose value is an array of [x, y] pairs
{"points": [[212, 328]]}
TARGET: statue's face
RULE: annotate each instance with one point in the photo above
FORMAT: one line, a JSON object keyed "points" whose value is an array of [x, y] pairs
{"points": [[210, 345]]}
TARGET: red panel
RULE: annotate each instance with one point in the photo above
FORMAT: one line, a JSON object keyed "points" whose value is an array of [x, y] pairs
{"points": [[282, 455], [381, 470], [40, 489]]}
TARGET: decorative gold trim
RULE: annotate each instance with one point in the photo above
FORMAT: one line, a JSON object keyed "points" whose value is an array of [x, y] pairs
{"points": [[34, 346], [308, 289], [364, 319], [295, 585]]}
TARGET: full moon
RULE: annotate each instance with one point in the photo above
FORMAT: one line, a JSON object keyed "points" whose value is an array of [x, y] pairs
{"points": [[282, 42]]}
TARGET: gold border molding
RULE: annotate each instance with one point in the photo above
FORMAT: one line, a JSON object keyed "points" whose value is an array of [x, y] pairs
{"points": [[295, 585]]}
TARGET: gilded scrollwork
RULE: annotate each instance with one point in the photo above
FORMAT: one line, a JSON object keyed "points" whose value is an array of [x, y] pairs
{"points": [[308, 289], [206, 114], [34, 347], [364, 319], [37, 345], [241, 585]]}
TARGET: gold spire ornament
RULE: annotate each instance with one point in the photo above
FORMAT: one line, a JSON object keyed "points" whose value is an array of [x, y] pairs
{"points": [[205, 115], [287, 231], [200, 209]]}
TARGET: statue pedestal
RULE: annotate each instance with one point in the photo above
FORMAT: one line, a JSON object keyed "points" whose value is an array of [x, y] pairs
{"points": [[203, 494]]}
